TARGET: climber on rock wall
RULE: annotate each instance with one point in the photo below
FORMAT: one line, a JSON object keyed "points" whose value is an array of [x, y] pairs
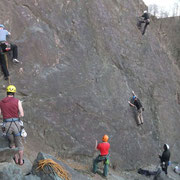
{"points": [[137, 103], [144, 19], [4, 47]]}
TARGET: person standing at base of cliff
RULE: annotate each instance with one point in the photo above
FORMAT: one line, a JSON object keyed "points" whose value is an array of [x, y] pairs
{"points": [[11, 110], [164, 158], [146, 20], [137, 103], [104, 155]]}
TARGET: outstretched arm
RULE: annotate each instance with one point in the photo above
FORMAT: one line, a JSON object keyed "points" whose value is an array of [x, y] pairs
{"points": [[131, 104], [133, 93], [96, 145]]}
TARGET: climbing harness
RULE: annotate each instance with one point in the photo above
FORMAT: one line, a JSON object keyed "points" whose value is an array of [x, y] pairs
{"points": [[11, 119], [105, 159], [54, 167], [18, 134], [21, 131], [8, 47]]}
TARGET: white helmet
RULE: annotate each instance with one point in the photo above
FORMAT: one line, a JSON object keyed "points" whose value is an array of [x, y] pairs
{"points": [[23, 133], [166, 145], [145, 11]]}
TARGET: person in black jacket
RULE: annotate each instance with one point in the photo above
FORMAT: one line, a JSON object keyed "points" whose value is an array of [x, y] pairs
{"points": [[146, 20], [137, 103], [164, 158]]}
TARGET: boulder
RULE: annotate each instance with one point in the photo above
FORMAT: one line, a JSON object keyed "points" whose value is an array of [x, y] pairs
{"points": [[10, 171], [74, 174]]}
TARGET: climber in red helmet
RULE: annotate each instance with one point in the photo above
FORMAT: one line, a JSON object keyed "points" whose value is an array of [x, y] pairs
{"points": [[103, 147]]}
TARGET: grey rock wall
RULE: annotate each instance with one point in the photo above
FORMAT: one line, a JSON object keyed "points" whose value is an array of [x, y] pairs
{"points": [[10, 171], [79, 62]]}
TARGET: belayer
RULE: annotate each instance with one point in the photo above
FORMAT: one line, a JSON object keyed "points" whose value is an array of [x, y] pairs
{"points": [[4, 47], [137, 103], [145, 19], [103, 147], [11, 110], [164, 158]]}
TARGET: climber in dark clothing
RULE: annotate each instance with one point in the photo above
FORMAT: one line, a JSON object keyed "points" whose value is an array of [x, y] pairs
{"points": [[145, 15], [137, 103], [164, 158], [4, 47], [146, 20]]}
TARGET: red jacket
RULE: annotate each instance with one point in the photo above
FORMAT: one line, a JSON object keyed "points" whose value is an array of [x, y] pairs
{"points": [[103, 148]]}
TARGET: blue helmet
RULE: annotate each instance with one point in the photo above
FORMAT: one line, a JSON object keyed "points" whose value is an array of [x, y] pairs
{"points": [[134, 97], [1, 25]]}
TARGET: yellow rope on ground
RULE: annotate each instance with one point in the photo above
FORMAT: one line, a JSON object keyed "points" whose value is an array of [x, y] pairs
{"points": [[58, 169]]}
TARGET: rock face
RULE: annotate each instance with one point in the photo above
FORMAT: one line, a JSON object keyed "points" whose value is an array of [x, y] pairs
{"points": [[169, 29], [80, 60]]}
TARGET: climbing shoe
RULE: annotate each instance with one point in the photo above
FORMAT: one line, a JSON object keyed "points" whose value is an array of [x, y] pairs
{"points": [[6, 78], [15, 61]]}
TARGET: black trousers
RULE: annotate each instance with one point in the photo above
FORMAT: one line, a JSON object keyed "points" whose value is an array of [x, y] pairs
{"points": [[4, 65], [145, 26], [165, 167], [14, 49]]}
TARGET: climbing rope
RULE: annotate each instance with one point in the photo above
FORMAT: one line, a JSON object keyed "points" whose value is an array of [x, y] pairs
{"points": [[58, 169]]}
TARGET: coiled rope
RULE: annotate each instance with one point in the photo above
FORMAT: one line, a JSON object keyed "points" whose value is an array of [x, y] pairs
{"points": [[58, 169]]}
